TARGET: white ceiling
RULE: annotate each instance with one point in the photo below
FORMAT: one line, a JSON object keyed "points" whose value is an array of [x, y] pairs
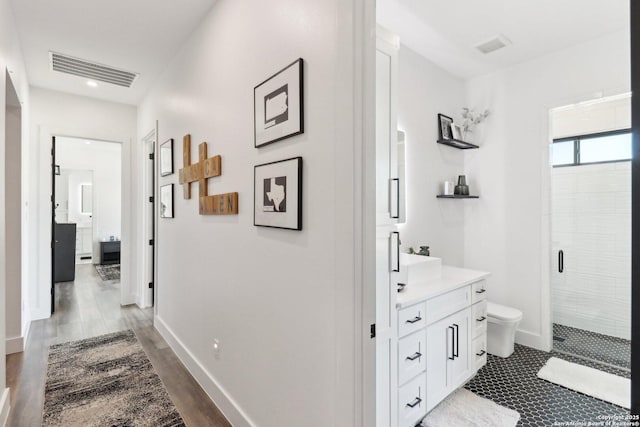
{"points": [[135, 35], [446, 31]]}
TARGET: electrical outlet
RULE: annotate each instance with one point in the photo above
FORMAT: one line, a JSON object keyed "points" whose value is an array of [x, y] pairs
{"points": [[216, 348]]}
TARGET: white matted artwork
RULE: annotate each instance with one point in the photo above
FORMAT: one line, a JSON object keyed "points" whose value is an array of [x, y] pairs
{"points": [[278, 106], [278, 194], [166, 201], [166, 157]]}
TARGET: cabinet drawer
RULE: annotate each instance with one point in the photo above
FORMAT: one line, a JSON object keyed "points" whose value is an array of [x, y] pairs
{"points": [[449, 303], [479, 291], [479, 318], [411, 402], [412, 359], [411, 319], [479, 354]]}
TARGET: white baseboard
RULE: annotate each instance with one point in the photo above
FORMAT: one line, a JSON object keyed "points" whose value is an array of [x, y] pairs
{"points": [[531, 339], [14, 345], [4, 408], [215, 391], [18, 344]]}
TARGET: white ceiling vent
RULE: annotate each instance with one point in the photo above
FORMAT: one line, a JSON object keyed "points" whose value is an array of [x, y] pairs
{"points": [[91, 70], [493, 44]]}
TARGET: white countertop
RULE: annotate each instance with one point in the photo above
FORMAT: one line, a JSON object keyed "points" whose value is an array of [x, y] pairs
{"points": [[451, 278]]}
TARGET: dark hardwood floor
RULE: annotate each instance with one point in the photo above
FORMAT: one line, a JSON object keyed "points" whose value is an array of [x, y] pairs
{"points": [[90, 307]]}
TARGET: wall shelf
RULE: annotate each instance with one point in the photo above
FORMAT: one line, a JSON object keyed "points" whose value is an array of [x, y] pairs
{"points": [[456, 196], [456, 143]]}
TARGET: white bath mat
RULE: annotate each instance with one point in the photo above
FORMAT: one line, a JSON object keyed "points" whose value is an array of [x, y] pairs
{"points": [[592, 382], [466, 409]]}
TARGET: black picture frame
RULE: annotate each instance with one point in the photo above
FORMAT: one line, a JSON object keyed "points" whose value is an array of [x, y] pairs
{"points": [[444, 127], [166, 157], [284, 212], [166, 201], [278, 105]]}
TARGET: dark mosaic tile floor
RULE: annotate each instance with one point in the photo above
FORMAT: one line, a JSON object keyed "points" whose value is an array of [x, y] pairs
{"points": [[612, 350], [513, 383]]}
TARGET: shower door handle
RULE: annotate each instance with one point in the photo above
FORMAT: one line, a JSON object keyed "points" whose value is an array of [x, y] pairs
{"points": [[560, 261]]}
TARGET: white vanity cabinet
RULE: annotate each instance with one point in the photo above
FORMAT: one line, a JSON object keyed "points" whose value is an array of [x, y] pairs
{"points": [[442, 329]]}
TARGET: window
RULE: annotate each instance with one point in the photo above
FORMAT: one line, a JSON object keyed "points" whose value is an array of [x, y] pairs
{"points": [[603, 147]]}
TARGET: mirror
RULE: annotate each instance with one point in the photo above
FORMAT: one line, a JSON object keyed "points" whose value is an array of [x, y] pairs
{"points": [[402, 217], [87, 198]]}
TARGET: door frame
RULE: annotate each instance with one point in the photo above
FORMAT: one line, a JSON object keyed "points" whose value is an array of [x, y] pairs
{"points": [[53, 224], [45, 135], [635, 208], [149, 223]]}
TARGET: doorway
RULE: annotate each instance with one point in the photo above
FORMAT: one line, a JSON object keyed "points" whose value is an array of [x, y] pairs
{"points": [[86, 215], [591, 230]]}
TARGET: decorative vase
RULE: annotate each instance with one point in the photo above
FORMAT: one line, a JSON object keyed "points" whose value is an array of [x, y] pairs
{"points": [[462, 189]]}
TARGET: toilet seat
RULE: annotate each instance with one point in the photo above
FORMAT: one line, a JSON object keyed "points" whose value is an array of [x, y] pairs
{"points": [[503, 313]]}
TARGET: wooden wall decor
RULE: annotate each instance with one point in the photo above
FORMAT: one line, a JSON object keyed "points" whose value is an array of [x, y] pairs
{"points": [[207, 167]]}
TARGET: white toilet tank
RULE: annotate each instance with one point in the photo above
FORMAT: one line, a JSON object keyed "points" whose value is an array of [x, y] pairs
{"points": [[501, 331]]}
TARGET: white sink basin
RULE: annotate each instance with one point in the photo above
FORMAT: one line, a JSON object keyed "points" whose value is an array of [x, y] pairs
{"points": [[418, 268]]}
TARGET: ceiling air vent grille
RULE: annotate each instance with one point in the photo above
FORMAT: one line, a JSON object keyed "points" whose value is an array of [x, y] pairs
{"points": [[493, 44], [91, 70]]}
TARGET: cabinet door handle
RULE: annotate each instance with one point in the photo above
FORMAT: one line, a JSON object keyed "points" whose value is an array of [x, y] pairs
{"points": [[415, 403], [453, 332], [395, 237], [414, 320], [482, 353], [401, 286], [560, 261], [482, 319], [481, 291], [457, 347], [413, 357], [396, 205]]}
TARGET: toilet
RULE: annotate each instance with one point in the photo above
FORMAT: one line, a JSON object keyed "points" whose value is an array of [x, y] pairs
{"points": [[501, 330]]}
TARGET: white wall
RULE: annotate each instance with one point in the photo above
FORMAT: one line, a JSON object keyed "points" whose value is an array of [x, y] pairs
{"points": [[104, 160], [508, 231], [598, 115], [11, 59], [424, 91], [13, 217], [279, 301], [60, 114]]}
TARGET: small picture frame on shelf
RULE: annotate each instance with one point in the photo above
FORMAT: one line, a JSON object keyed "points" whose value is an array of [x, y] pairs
{"points": [[166, 157], [456, 131], [444, 127]]}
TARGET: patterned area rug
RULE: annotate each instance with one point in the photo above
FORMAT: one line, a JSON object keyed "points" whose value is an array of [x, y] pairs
{"points": [[108, 272], [105, 381]]}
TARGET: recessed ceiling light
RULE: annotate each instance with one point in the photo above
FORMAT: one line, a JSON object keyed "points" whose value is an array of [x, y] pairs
{"points": [[92, 83]]}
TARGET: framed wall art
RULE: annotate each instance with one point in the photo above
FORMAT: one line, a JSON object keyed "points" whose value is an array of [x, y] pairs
{"points": [[278, 106], [166, 157], [166, 201], [278, 194], [444, 127]]}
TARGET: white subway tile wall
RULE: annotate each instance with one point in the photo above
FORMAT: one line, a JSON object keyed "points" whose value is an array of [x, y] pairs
{"points": [[591, 223]]}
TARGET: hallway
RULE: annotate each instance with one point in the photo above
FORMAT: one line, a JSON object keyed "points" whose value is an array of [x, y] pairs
{"points": [[87, 308]]}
